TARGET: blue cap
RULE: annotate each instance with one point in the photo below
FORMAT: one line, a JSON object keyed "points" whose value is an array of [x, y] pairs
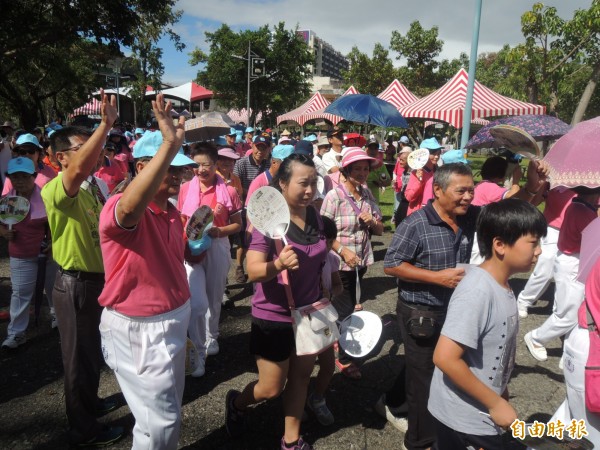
{"points": [[282, 151], [261, 140], [150, 142], [249, 130], [139, 131], [232, 132], [310, 138], [221, 140], [239, 137], [431, 144], [455, 156], [28, 138], [303, 148], [20, 164]]}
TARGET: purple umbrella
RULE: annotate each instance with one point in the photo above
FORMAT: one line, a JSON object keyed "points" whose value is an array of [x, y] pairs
{"points": [[541, 127]]}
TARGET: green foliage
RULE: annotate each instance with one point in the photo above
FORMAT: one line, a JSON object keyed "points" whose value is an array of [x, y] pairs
{"points": [[369, 75], [419, 47], [287, 60], [52, 50]]}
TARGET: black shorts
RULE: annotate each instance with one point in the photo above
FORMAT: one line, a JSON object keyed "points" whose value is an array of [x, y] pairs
{"points": [[273, 341]]}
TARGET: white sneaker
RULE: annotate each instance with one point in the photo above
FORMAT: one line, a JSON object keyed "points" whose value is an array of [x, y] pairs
{"points": [[53, 321], [537, 350], [212, 348], [319, 407], [400, 423], [561, 362], [13, 342], [199, 371]]}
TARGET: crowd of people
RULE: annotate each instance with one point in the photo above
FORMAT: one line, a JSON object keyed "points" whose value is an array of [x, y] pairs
{"points": [[127, 287]]}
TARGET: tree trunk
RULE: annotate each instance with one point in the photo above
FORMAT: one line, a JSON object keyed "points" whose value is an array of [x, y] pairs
{"points": [[586, 96]]}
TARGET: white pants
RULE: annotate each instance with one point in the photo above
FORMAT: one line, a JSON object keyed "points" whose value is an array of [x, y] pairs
{"points": [[568, 296], [23, 275], [207, 281], [542, 273], [577, 346], [147, 355]]}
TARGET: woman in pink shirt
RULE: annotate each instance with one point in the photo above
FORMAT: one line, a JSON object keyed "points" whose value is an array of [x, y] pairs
{"points": [[488, 190], [24, 245], [415, 190], [207, 274], [113, 173]]}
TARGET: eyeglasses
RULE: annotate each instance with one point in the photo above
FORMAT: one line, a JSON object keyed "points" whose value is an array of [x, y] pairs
{"points": [[176, 171], [26, 150], [73, 149]]}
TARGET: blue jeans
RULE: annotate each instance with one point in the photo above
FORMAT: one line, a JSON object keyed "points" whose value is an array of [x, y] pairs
{"points": [[23, 275]]}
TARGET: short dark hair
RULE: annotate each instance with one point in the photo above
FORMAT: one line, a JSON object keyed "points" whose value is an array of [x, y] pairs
{"points": [[329, 228], [494, 167], [205, 148], [442, 174], [284, 173], [508, 220], [61, 138]]}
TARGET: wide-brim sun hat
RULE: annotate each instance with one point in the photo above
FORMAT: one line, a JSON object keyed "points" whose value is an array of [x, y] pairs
{"points": [[147, 147], [354, 154], [228, 152]]}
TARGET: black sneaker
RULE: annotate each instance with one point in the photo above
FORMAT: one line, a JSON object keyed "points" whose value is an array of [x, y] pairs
{"points": [[108, 436], [234, 418], [105, 406]]}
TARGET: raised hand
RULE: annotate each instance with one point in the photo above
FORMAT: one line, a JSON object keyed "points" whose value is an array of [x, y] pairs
{"points": [[108, 108], [173, 134]]}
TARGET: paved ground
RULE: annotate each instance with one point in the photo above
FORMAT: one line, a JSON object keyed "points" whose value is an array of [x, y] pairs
{"points": [[32, 404]]}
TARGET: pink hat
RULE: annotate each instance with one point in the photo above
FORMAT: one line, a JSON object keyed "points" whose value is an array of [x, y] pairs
{"points": [[228, 152], [353, 154]]}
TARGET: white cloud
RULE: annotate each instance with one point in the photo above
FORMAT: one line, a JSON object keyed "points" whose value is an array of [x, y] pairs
{"points": [[344, 24]]}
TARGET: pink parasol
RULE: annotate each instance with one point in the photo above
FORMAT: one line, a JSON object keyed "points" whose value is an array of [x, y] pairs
{"points": [[575, 158]]}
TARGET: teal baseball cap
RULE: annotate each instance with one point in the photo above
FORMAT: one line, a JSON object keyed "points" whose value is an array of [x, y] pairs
{"points": [[282, 151], [20, 164], [150, 142]]}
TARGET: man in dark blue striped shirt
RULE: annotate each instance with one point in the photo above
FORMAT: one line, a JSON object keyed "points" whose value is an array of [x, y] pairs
{"points": [[247, 169], [423, 255]]}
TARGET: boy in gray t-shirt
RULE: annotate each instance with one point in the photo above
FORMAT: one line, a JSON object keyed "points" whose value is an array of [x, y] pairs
{"points": [[476, 351]]}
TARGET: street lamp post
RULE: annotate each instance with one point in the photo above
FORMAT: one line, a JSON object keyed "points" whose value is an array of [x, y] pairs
{"points": [[256, 69], [115, 64]]}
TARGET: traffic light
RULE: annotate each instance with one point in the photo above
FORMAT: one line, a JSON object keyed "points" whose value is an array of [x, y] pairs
{"points": [[258, 67]]}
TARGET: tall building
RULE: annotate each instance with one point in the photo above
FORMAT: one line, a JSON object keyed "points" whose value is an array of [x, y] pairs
{"points": [[328, 61]]}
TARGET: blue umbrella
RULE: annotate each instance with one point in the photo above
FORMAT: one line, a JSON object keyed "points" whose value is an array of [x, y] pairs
{"points": [[367, 109]]}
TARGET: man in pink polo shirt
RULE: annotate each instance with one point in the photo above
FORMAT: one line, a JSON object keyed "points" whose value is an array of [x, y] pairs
{"points": [[145, 298]]}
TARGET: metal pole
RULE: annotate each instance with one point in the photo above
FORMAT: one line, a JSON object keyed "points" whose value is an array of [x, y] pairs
{"points": [[471, 86], [118, 75], [248, 95]]}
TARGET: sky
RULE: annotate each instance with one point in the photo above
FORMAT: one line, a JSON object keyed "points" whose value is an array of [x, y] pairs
{"points": [[348, 23]]}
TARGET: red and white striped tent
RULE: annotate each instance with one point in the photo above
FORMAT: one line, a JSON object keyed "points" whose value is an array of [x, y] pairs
{"points": [[350, 90], [448, 103], [398, 95], [242, 116], [89, 109], [300, 115], [321, 114], [482, 122]]}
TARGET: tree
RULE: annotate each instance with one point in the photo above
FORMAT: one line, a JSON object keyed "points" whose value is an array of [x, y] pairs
{"points": [[287, 60], [145, 61], [420, 47], [369, 75], [52, 48], [582, 37]]}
